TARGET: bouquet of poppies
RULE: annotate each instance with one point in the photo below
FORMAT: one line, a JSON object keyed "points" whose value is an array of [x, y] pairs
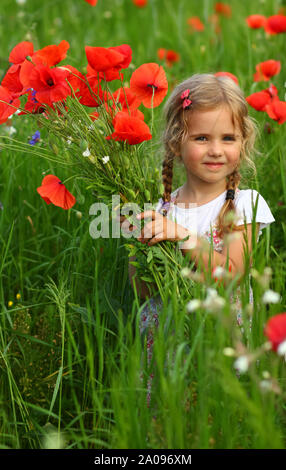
{"points": [[98, 132]]}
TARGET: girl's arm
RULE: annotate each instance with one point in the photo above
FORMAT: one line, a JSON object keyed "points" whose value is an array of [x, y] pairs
{"points": [[235, 248]]}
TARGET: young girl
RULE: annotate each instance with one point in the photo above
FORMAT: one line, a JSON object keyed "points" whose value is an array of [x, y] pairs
{"points": [[207, 129]]}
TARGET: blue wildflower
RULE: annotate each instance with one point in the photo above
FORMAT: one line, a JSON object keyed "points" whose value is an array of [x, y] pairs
{"points": [[35, 138]]}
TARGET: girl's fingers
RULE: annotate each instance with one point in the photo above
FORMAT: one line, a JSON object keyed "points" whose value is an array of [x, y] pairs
{"points": [[142, 215], [159, 238]]}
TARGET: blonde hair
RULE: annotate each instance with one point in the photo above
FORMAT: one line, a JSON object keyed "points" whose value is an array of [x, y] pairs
{"points": [[207, 92]]}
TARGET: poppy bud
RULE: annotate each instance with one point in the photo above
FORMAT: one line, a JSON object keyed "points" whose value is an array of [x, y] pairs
{"points": [[126, 161], [131, 194], [55, 149], [83, 144], [147, 194]]}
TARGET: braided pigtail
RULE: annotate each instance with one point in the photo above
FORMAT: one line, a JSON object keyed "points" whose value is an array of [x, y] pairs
{"points": [[167, 176], [225, 220]]}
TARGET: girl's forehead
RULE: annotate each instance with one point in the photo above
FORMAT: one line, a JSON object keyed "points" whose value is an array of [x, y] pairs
{"points": [[219, 118]]}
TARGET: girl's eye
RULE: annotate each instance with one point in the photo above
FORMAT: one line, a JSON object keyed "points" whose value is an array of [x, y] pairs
{"points": [[229, 137], [201, 137]]}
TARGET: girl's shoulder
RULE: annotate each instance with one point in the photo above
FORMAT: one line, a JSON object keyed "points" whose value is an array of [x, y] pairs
{"points": [[249, 204]]}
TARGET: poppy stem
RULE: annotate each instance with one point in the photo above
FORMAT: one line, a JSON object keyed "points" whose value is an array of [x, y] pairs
{"points": [[71, 177]]}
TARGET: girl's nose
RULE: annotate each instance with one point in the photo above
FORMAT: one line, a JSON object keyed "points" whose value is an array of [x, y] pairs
{"points": [[215, 149]]}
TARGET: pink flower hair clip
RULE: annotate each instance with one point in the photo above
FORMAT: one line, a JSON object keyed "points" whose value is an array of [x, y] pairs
{"points": [[185, 96]]}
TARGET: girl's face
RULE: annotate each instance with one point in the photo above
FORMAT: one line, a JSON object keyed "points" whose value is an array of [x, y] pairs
{"points": [[212, 149]]}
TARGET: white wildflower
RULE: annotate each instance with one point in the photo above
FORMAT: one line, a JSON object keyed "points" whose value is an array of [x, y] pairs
{"points": [[193, 305], [270, 297], [265, 374], [265, 385], [213, 301], [281, 350], [219, 272], [86, 153], [21, 2], [69, 140], [185, 272], [241, 364], [11, 130], [211, 292], [229, 352], [105, 159]]}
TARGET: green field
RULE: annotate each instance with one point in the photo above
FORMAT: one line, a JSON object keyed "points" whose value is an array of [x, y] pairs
{"points": [[70, 348]]}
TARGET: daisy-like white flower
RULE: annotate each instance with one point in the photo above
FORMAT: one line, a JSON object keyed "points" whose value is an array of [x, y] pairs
{"points": [[105, 159], [193, 305], [21, 2], [69, 140], [271, 297], [86, 153], [241, 364]]}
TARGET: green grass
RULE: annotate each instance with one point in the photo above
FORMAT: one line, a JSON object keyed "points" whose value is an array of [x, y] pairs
{"points": [[70, 348]]}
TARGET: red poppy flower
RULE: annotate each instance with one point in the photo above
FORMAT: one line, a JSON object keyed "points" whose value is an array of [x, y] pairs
{"points": [[161, 53], [256, 21], [260, 99], [148, 81], [223, 9], [105, 60], [126, 98], [129, 129], [20, 52], [32, 105], [276, 24], [54, 191], [169, 55], [87, 89], [215, 21], [94, 116], [12, 81], [51, 55], [8, 105], [227, 74], [195, 23], [276, 110], [275, 330], [140, 3], [266, 70], [92, 2], [172, 57], [49, 84]]}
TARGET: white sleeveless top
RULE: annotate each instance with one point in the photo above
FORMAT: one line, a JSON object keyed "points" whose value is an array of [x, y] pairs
{"points": [[202, 219]]}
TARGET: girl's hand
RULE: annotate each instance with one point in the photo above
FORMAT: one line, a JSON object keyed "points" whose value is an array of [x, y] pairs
{"points": [[161, 228]]}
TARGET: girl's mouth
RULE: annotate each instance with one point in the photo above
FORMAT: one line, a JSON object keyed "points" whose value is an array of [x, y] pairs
{"points": [[214, 166]]}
